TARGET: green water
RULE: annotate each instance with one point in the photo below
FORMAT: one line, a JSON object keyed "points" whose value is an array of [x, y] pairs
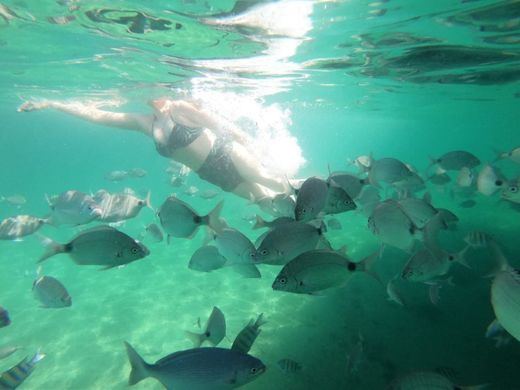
{"points": [[349, 85]]}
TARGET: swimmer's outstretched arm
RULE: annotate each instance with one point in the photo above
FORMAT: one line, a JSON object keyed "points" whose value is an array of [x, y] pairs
{"points": [[128, 121]]}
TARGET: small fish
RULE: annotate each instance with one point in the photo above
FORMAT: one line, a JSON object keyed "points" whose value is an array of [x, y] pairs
{"points": [[456, 160], [513, 155], [363, 162], [73, 208], [120, 206], [239, 252], [314, 271], [208, 194], [13, 228], [247, 336], [137, 172], [488, 181], [16, 200], [117, 175], [261, 223], [4, 317], [511, 193], [467, 204], [465, 177], [393, 227], [505, 294], [214, 332], [388, 170], [286, 241], [427, 380], [447, 219], [311, 199], [51, 293], [206, 259], [179, 219], [100, 245], [197, 368], [478, 239], [7, 351], [153, 232], [16, 375], [289, 366], [351, 184], [440, 178], [334, 224], [176, 181], [420, 211], [338, 200], [191, 190]]}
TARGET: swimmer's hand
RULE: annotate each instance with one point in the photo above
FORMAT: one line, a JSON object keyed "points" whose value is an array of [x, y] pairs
{"points": [[31, 105]]}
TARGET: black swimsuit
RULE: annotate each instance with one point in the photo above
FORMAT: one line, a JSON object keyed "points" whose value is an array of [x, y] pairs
{"points": [[218, 168]]}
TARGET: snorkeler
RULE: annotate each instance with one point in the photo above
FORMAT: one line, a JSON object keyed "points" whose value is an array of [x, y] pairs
{"points": [[211, 146]]}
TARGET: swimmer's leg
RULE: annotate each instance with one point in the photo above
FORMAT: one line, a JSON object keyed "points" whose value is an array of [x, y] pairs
{"points": [[252, 171], [252, 191]]}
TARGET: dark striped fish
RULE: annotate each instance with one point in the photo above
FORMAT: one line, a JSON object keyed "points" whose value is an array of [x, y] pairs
{"points": [[15, 376], [247, 336], [4, 317], [289, 366]]}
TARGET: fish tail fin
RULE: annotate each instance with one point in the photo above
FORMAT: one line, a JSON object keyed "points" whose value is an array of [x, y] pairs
{"points": [[196, 338], [51, 248], [39, 355], [461, 257], [214, 221], [260, 222], [367, 265], [499, 155], [147, 201], [260, 321], [139, 366]]}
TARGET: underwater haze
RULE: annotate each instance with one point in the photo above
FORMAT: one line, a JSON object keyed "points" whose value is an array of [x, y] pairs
{"points": [[316, 84]]}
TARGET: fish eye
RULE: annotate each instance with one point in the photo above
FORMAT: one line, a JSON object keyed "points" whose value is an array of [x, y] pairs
{"points": [[513, 189], [264, 252], [282, 280], [253, 370], [134, 250]]}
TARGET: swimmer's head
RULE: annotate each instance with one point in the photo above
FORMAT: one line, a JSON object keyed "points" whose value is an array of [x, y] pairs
{"points": [[161, 104]]}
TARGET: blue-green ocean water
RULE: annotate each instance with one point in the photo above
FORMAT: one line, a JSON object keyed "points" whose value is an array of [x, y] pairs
{"points": [[398, 79]]}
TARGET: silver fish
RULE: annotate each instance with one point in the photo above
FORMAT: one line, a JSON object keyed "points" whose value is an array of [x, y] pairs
{"points": [[73, 208], [16, 375], [349, 182], [198, 368], [191, 190], [247, 336], [117, 175], [100, 245], [338, 200], [179, 219], [7, 351], [465, 177], [489, 181], [311, 199], [440, 178], [393, 227], [363, 163], [289, 366], [16, 200], [334, 224], [206, 259], [511, 192], [13, 228], [4, 317], [153, 232], [388, 170], [478, 239], [513, 155], [239, 252], [51, 293], [283, 205], [456, 160], [120, 206], [261, 223], [419, 211], [424, 266], [137, 172], [286, 241], [214, 331], [314, 271], [423, 380]]}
